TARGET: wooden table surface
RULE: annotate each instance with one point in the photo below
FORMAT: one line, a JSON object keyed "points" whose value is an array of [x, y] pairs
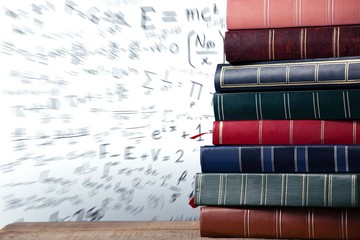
{"points": [[102, 230]]}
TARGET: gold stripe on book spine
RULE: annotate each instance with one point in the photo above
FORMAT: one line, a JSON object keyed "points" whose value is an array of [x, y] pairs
{"points": [[221, 125]]}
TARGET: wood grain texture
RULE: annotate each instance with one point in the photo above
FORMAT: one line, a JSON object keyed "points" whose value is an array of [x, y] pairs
{"points": [[102, 230]]}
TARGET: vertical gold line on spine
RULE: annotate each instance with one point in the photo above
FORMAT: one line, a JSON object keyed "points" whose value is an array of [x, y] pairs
{"points": [[222, 107], [288, 104], [312, 224], [222, 72], [301, 43], [346, 225], [242, 190], [199, 183], [240, 162], [347, 158], [332, 12], [260, 107], [266, 186], [303, 190], [353, 191], [322, 129], [287, 73], [291, 132], [220, 189], [338, 41], [285, 108], [316, 72], [270, 39], [286, 189], [308, 224], [225, 190], [335, 159], [346, 71], [328, 12], [307, 190], [330, 185], [306, 158], [262, 190], [334, 41], [245, 188], [348, 104], [326, 196], [344, 104], [282, 189], [266, 13], [305, 43], [314, 105], [300, 12], [297, 12], [262, 158], [260, 132], [354, 132], [273, 44], [221, 126], [318, 104], [257, 106]]}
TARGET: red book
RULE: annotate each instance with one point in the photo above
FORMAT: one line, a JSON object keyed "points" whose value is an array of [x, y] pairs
{"points": [[290, 223], [286, 132], [291, 43], [246, 14]]}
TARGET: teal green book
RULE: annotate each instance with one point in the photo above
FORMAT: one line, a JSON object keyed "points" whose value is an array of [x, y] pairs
{"points": [[277, 190], [288, 105]]}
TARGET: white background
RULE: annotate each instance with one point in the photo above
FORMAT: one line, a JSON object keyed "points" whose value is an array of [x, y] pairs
{"points": [[99, 100]]}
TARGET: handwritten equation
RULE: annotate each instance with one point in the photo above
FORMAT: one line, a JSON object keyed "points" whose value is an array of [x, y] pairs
{"points": [[100, 105]]}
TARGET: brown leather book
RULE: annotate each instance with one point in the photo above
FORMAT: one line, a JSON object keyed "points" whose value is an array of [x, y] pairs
{"points": [[288, 223], [245, 45]]}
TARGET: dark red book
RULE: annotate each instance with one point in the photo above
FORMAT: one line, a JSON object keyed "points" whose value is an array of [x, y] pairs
{"points": [[243, 45], [275, 223], [286, 132]]}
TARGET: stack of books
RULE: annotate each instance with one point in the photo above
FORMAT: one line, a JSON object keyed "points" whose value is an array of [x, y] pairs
{"points": [[285, 159]]}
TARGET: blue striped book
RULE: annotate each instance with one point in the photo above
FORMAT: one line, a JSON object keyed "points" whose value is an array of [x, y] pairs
{"points": [[280, 159]]}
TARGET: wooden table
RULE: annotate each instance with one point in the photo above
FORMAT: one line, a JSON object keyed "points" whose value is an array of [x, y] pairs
{"points": [[102, 230]]}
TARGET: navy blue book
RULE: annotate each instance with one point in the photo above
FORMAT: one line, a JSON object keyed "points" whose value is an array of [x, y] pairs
{"points": [[298, 74], [280, 159]]}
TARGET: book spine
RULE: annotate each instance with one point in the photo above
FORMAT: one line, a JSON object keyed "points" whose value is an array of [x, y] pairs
{"points": [[277, 190], [311, 104], [280, 159], [273, 132], [288, 223], [242, 14], [291, 43], [322, 73]]}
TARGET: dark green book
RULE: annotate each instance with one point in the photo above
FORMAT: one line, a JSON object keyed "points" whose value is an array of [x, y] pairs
{"points": [[278, 105], [277, 190]]}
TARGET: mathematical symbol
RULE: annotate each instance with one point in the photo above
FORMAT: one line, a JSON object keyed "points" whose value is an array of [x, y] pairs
{"points": [[184, 135], [192, 89], [169, 16], [205, 61]]}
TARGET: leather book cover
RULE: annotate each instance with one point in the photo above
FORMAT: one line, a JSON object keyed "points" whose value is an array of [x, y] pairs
{"points": [[280, 158], [245, 14], [279, 105], [278, 132], [287, 75], [276, 223], [242, 45], [277, 189]]}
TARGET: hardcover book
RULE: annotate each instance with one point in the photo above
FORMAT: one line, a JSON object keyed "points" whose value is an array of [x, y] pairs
{"points": [[245, 14], [277, 190], [299, 74], [276, 223], [281, 132], [280, 159], [310, 104], [243, 45]]}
